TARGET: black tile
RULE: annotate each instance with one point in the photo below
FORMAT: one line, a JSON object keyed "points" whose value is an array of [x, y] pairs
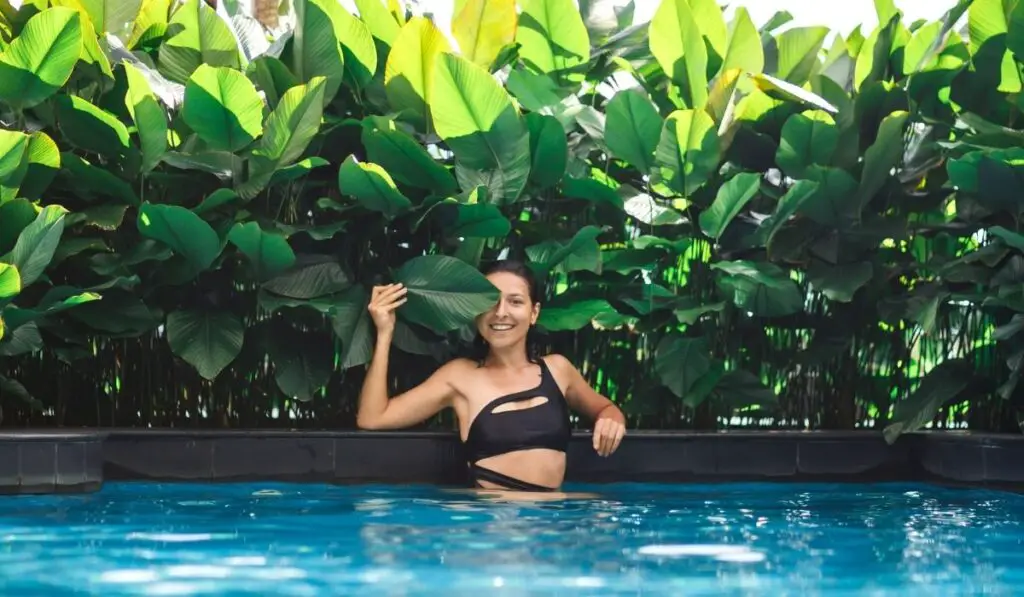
{"points": [[1004, 462], [291, 458], [94, 462], [9, 466], [71, 463], [163, 457], [741, 456], [407, 460], [843, 457], [953, 460], [38, 465]]}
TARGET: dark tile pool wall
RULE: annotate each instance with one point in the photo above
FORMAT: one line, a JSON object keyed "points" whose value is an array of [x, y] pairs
{"points": [[54, 462]]}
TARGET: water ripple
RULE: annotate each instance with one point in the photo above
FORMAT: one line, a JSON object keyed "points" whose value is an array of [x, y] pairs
{"points": [[318, 540]]}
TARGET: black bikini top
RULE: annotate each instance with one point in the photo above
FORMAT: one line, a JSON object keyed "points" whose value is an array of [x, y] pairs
{"points": [[543, 426]]}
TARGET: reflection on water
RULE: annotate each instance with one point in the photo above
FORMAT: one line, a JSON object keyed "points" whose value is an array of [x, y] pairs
{"points": [[736, 539]]}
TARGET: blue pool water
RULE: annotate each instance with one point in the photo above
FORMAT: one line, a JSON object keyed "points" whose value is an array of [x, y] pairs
{"points": [[318, 540]]}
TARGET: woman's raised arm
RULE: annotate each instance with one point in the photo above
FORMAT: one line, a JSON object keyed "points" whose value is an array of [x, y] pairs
{"points": [[376, 410]]}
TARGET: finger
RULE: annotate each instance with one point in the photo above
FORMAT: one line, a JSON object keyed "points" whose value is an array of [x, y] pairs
{"points": [[608, 440], [620, 432], [597, 436]]}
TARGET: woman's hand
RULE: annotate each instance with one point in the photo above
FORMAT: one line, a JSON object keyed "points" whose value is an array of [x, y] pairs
{"points": [[608, 434], [384, 301]]}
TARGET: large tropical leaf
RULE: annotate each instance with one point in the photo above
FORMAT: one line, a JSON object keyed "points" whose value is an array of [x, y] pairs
{"points": [[444, 293], [223, 107], [633, 128], [10, 281], [476, 118], [553, 37], [207, 340], [409, 71], [938, 387], [688, 150], [315, 47], [483, 28], [89, 127], [762, 288], [404, 158], [354, 327], [357, 47], [680, 361], [744, 50], [40, 60], [730, 200], [372, 186], [182, 231], [287, 133], [149, 117], [807, 139], [677, 44], [196, 36], [269, 253], [37, 243], [549, 150]]}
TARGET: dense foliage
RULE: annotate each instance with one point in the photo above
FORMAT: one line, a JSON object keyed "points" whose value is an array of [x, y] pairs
{"points": [[730, 218]]}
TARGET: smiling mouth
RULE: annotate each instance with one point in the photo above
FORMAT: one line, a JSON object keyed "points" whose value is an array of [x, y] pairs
{"points": [[501, 327]]}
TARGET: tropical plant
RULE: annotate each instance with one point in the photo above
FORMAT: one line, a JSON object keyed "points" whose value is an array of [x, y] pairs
{"points": [[730, 220]]}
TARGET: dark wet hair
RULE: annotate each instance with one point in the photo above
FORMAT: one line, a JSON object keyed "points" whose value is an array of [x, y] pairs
{"points": [[479, 348]]}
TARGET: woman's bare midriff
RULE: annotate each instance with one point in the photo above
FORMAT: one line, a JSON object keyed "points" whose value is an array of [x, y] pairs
{"points": [[539, 466]]}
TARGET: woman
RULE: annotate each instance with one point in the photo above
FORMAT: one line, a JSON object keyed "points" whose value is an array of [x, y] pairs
{"points": [[512, 406]]}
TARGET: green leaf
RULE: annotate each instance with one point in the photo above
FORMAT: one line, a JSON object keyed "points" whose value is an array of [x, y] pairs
{"points": [[680, 362], [476, 220], [476, 118], [372, 187], [762, 288], [358, 50], [40, 165], [689, 150], [13, 389], [573, 316], [378, 20], [315, 48], [939, 386], [483, 27], [444, 293], [789, 204], [883, 155], [207, 340], [730, 200], [196, 36], [214, 200], [807, 139], [89, 127], [839, 282], [352, 324], [287, 133], [744, 50], [181, 230], [24, 339], [548, 148], [149, 117], [410, 71], [41, 58], [302, 363], [311, 278], [269, 253], [10, 281], [404, 158], [797, 53], [581, 253], [37, 243], [553, 38], [677, 45], [15, 216], [223, 108], [633, 128], [105, 217], [988, 27]]}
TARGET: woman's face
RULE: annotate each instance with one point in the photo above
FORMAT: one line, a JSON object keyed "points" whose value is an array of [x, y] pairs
{"points": [[508, 321]]}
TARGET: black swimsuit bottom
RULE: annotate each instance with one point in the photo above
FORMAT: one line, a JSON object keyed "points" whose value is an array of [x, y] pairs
{"points": [[544, 426]]}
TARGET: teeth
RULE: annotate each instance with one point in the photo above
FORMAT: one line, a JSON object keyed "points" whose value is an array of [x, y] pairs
{"points": [[501, 327]]}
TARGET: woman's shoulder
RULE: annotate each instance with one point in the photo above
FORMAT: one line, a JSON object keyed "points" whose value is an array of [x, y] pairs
{"points": [[558, 362]]}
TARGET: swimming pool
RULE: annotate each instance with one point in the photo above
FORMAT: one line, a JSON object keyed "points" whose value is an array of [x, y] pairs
{"points": [[632, 539]]}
